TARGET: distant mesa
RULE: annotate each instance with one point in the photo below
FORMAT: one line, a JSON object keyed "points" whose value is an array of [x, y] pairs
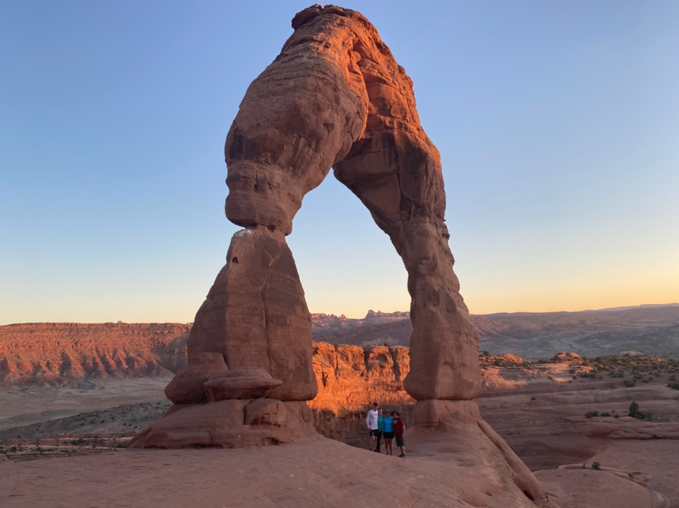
{"points": [[372, 314]]}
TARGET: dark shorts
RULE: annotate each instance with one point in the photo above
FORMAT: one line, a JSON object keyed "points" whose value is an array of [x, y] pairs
{"points": [[388, 435], [375, 432], [400, 441]]}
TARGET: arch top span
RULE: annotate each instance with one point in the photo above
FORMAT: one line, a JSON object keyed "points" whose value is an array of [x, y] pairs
{"points": [[335, 97]]}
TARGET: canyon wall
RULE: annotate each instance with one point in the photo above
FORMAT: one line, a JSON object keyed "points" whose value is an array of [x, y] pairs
{"points": [[56, 353]]}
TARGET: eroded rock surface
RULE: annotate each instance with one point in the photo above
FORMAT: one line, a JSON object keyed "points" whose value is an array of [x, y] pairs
{"points": [[334, 97], [256, 316], [187, 386]]}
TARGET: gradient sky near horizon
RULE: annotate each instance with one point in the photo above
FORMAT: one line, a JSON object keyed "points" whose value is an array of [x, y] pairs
{"points": [[557, 123]]}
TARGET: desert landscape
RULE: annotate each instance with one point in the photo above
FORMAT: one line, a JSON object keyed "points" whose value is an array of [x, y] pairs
{"points": [[566, 416], [258, 402]]}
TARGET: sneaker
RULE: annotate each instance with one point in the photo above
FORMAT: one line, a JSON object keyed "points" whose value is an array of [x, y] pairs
{"points": [[377, 451], [402, 455]]}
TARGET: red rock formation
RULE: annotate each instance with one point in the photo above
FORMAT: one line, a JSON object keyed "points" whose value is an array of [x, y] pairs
{"points": [[255, 314], [60, 352], [334, 97], [349, 377]]}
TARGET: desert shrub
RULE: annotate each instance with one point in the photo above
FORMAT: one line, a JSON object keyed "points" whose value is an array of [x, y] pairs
{"points": [[590, 414], [673, 377], [618, 373], [596, 466], [486, 353], [629, 383], [634, 411], [605, 414], [674, 386]]}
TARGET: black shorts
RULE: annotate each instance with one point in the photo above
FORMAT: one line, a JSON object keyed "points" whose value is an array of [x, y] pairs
{"points": [[400, 441], [374, 432], [388, 435]]}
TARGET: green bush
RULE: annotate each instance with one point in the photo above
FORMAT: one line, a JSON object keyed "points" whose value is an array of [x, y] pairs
{"points": [[634, 411], [596, 466], [590, 414], [629, 383], [674, 386]]}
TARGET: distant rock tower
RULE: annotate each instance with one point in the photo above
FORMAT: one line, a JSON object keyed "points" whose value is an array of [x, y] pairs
{"points": [[334, 98]]}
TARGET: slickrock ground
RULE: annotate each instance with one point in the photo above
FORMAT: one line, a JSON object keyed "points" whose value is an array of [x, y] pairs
{"points": [[543, 419], [314, 473], [317, 472]]}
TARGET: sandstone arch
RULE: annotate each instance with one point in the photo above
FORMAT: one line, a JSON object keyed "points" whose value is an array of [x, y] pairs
{"points": [[334, 98]]}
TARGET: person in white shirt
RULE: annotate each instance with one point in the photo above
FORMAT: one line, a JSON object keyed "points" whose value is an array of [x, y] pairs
{"points": [[371, 423]]}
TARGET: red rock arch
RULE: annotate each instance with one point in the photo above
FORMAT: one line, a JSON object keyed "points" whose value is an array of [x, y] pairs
{"points": [[335, 97]]}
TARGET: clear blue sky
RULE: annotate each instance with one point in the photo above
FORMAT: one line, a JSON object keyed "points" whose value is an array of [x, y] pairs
{"points": [[557, 122]]}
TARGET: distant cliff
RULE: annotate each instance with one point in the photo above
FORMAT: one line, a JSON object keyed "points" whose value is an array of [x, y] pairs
{"points": [[55, 353], [59, 352], [649, 329]]}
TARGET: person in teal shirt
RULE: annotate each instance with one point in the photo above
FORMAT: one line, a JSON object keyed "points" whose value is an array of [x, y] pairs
{"points": [[380, 429], [388, 432]]}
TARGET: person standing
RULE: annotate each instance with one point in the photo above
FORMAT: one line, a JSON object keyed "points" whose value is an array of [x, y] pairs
{"points": [[380, 429], [388, 432], [399, 432], [371, 423]]}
